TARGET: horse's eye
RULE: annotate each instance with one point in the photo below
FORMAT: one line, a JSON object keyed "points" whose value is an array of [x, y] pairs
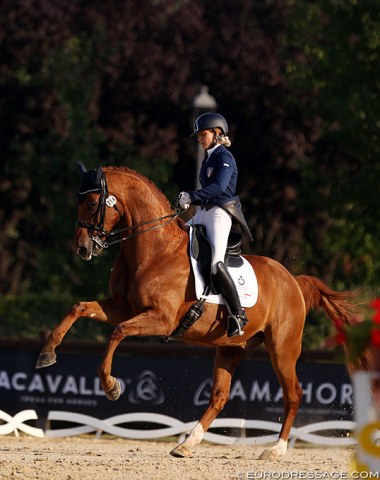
{"points": [[92, 204]]}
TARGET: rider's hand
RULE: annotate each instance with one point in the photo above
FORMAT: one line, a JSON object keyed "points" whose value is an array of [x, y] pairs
{"points": [[183, 200]]}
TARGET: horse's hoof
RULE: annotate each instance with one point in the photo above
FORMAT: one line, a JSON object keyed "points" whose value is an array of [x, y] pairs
{"points": [[114, 392], [270, 454], [181, 452], [46, 359]]}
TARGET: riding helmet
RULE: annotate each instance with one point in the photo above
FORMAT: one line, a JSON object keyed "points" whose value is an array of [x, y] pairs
{"points": [[207, 121]]}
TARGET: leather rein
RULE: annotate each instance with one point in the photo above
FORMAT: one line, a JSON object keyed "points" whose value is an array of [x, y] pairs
{"points": [[110, 201]]}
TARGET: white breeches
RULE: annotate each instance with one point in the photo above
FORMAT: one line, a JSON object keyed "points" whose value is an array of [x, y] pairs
{"points": [[218, 225]]}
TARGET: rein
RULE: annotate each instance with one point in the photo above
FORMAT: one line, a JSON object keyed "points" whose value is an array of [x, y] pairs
{"points": [[106, 244], [107, 200]]}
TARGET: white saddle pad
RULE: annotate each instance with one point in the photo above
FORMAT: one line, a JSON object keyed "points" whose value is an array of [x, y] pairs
{"points": [[244, 278]]}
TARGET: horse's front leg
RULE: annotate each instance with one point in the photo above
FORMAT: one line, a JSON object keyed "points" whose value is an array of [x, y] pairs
{"points": [[103, 311], [153, 322], [226, 361]]}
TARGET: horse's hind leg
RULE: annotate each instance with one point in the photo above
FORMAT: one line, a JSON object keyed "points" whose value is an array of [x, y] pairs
{"points": [[284, 359], [104, 311], [226, 361]]}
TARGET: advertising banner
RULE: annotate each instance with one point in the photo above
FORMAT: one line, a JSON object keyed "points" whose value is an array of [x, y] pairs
{"points": [[178, 387]]}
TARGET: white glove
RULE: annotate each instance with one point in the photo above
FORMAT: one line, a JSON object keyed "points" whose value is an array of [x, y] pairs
{"points": [[184, 200]]}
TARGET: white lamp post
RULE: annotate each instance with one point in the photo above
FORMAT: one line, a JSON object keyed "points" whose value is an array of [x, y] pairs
{"points": [[203, 102]]}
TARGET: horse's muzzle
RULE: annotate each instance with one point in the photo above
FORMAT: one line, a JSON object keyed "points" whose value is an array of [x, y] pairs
{"points": [[84, 253], [85, 246]]}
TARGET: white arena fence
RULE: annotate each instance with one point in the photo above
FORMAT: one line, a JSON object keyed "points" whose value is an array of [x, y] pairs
{"points": [[167, 426]]}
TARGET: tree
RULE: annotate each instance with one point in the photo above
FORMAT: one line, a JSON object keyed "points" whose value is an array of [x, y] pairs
{"points": [[112, 83], [332, 62]]}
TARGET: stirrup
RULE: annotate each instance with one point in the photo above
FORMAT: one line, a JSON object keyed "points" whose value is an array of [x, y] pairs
{"points": [[236, 323]]}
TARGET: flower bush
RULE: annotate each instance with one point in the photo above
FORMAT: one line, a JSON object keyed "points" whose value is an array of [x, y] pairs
{"points": [[362, 334]]}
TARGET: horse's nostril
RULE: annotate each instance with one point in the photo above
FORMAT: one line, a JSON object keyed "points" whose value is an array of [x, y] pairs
{"points": [[82, 251]]}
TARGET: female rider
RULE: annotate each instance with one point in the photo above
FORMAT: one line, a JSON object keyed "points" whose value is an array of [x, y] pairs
{"points": [[217, 203]]}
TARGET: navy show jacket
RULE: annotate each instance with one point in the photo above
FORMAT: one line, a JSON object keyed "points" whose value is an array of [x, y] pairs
{"points": [[218, 177]]}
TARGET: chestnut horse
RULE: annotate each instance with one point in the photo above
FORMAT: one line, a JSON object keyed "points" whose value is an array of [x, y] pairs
{"points": [[152, 288]]}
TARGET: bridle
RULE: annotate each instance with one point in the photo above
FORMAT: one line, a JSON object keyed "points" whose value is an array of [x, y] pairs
{"points": [[101, 210], [115, 236]]}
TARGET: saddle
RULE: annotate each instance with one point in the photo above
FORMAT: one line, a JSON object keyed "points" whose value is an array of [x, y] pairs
{"points": [[201, 252]]}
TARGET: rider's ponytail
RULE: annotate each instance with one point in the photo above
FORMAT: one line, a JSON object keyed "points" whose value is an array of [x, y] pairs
{"points": [[221, 138]]}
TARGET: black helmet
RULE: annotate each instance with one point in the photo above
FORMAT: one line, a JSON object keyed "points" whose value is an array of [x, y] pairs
{"points": [[207, 121]]}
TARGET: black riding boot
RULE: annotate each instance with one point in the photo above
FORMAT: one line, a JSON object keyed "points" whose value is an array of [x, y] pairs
{"points": [[237, 318]]}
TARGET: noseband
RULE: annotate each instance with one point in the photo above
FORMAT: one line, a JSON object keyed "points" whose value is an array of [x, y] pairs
{"points": [[107, 200]]}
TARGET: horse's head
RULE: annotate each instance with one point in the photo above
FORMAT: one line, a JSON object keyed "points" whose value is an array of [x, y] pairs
{"points": [[98, 213]]}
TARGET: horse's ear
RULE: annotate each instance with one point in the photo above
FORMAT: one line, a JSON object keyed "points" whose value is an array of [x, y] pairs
{"points": [[82, 168], [99, 173]]}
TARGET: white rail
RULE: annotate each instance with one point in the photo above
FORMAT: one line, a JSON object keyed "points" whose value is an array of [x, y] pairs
{"points": [[165, 426]]}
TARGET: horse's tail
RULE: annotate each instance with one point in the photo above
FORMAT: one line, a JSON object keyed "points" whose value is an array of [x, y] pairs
{"points": [[339, 306]]}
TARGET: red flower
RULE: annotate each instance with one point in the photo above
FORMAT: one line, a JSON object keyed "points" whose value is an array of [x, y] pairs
{"points": [[376, 317], [375, 337], [338, 324], [375, 304], [340, 338]]}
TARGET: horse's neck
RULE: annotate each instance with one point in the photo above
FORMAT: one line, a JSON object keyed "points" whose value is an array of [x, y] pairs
{"points": [[149, 246], [144, 204]]}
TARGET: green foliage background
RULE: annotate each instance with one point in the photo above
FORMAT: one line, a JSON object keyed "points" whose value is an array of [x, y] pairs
{"points": [[112, 84]]}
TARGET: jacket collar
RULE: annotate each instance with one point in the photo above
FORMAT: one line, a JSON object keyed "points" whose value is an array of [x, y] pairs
{"points": [[210, 151]]}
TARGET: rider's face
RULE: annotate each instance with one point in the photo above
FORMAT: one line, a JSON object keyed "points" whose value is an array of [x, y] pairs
{"points": [[205, 138]]}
